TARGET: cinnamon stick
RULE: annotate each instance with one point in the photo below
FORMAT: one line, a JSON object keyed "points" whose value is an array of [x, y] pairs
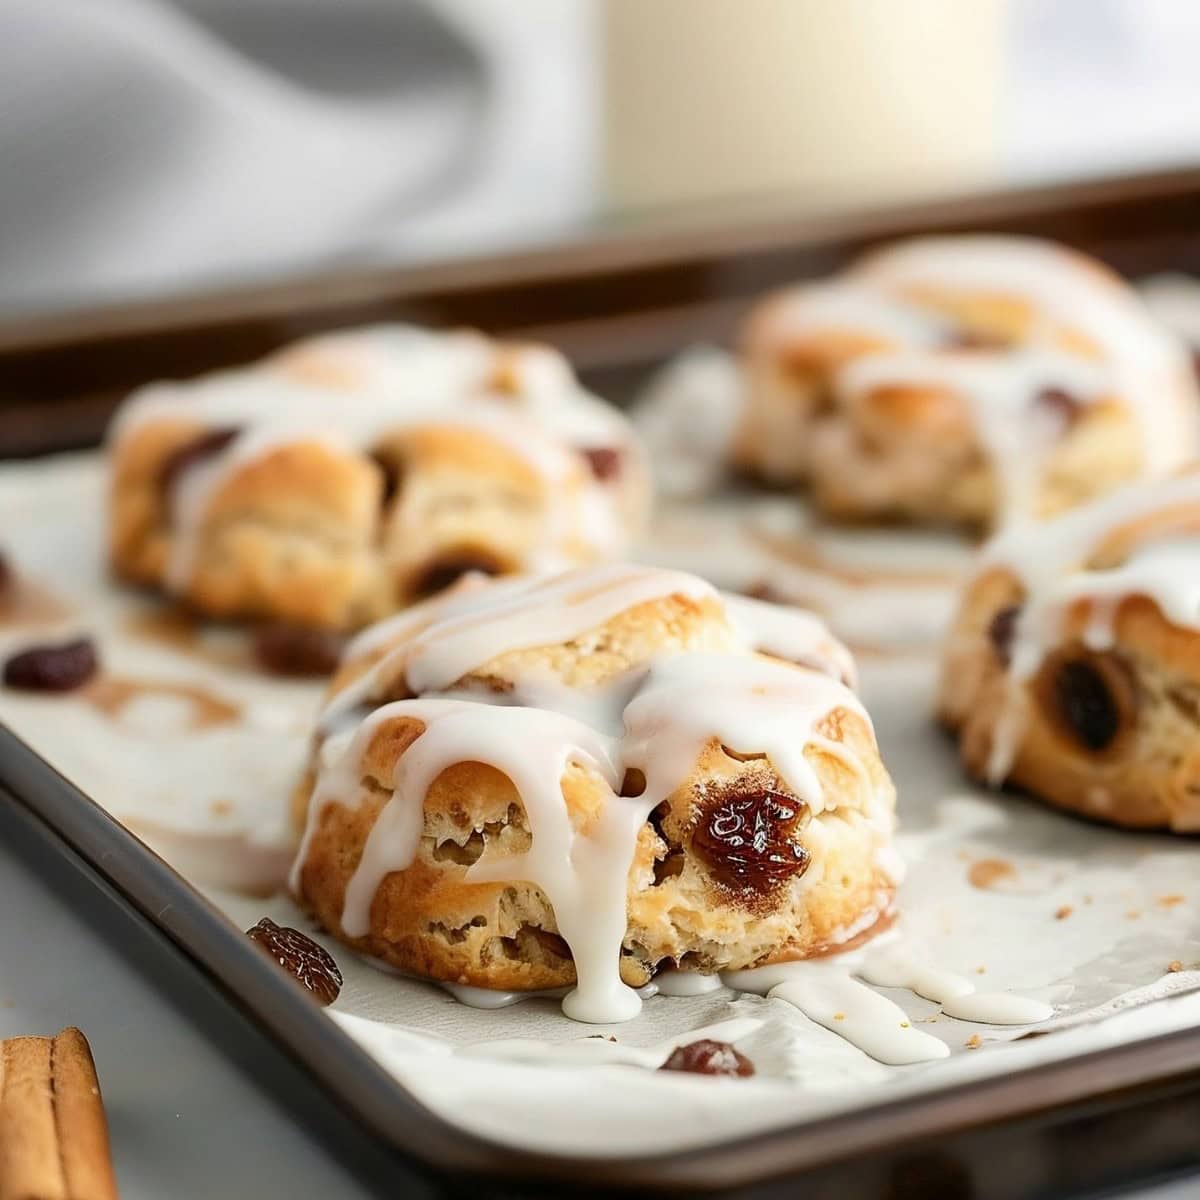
{"points": [[53, 1134]]}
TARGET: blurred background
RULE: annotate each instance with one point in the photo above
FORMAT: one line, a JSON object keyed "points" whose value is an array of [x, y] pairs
{"points": [[153, 147]]}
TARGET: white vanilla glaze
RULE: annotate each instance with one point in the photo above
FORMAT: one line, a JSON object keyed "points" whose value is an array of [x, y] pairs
{"points": [[656, 718], [1132, 360], [759, 706], [1000, 390], [350, 390], [899, 967], [844, 304], [671, 982], [835, 994], [1068, 293], [452, 637], [1174, 299], [829, 995], [792, 634], [1051, 561]]}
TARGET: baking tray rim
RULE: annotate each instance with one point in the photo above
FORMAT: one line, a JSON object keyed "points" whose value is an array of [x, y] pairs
{"points": [[717, 230]]}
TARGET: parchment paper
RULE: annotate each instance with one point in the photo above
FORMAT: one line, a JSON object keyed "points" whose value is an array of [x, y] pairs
{"points": [[1103, 924]]}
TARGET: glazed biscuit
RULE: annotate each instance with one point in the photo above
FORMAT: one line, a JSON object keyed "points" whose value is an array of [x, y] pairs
{"points": [[962, 380], [1073, 668], [355, 473], [540, 784]]}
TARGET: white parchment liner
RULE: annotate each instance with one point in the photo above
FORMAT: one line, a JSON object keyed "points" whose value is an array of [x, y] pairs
{"points": [[1087, 918]]}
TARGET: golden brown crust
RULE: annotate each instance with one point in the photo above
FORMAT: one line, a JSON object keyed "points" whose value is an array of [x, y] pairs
{"points": [[429, 921], [1146, 772], [688, 901], [913, 452], [316, 533], [918, 460]]}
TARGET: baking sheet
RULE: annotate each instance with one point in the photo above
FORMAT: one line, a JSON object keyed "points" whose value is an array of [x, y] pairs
{"points": [[195, 750]]}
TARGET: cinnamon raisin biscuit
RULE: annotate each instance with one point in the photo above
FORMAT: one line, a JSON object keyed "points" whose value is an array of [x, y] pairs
{"points": [[578, 781], [963, 380], [1073, 667], [354, 473]]}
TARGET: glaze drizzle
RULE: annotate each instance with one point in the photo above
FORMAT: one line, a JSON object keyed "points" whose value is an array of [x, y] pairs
{"points": [[1056, 565]]}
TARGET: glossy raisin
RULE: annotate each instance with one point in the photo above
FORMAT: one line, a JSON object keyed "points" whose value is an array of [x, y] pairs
{"points": [[300, 957], [390, 470], [1060, 404], [443, 572], [1002, 630], [746, 839], [763, 590], [604, 461], [633, 783], [975, 339], [298, 650], [192, 453], [59, 668], [708, 1057], [1088, 707]]}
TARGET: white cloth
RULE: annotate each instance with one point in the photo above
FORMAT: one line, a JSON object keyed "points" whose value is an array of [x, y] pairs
{"points": [[151, 145]]}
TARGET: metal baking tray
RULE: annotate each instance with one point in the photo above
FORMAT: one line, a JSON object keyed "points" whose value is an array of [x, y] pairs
{"points": [[619, 303]]}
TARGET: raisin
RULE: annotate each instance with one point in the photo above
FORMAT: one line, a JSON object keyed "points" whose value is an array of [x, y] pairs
{"points": [[633, 782], [763, 590], [191, 453], [52, 668], [391, 472], [604, 461], [443, 572], [1060, 404], [1002, 630], [975, 339], [300, 957], [298, 650], [1087, 705], [745, 838], [708, 1057]]}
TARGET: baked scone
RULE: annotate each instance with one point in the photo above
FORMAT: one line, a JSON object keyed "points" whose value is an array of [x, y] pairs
{"points": [[354, 473], [577, 780], [963, 380], [1073, 667]]}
